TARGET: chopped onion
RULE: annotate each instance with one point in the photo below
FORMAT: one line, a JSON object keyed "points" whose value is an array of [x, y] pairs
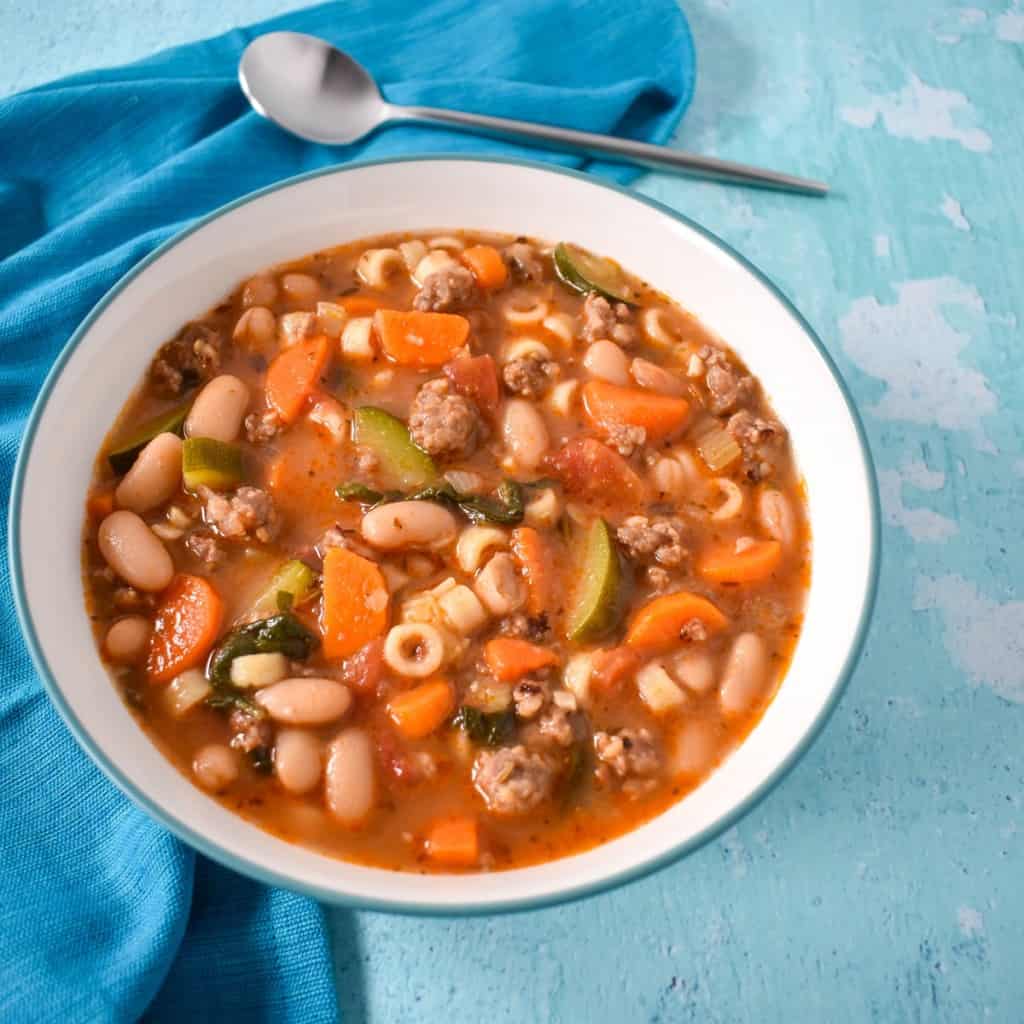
{"points": [[718, 449]]}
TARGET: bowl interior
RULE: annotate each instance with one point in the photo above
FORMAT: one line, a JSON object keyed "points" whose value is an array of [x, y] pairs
{"points": [[108, 355]]}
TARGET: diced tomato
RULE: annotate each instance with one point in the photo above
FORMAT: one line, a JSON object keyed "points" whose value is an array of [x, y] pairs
{"points": [[592, 471], [476, 377]]}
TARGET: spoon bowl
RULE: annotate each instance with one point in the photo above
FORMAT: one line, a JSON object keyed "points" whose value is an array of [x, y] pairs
{"points": [[315, 91], [310, 88]]}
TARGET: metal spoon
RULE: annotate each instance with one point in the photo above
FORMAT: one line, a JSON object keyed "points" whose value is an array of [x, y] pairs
{"points": [[312, 89]]}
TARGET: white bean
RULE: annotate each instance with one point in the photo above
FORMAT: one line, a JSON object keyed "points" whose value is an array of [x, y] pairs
{"points": [[695, 749], [414, 649], [499, 586], [745, 675], [134, 551], [215, 767], [219, 409], [776, 516], [127, 639], [409, 524], [525, 434], [695, 670], [297, 761], [256, 327], [655, 378], [154, 477], [349, 787], [305, 700], [260, 291], [606, 361], [301, 288]]}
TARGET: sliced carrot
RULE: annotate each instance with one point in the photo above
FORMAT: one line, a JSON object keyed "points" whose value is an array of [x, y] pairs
{"points": [[607, 406], [724, 564], [360, 305], [610, 667], [657, 625], [419, 711], [100, 504], [476, 377], [420, 339], [185, 627], [293, 376], [487, 265], [509, 658], [355, 606], [530, 552], [454, 842]]}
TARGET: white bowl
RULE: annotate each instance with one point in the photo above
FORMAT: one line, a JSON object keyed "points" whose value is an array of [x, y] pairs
{"points": [[110, 351]]}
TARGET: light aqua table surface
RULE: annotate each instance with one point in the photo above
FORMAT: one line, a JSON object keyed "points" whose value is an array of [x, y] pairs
{"points": [[882, 880]]}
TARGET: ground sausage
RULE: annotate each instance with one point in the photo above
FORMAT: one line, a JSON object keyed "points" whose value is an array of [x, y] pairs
{"points": [[604, 322], [529, 376], [626, 438], [202, 544], [653, 539], [248, 514], [186, 361], [250, 732], [444, 423], [523, 261], [530, 696], [628, 756], [726, 385], [757, 437], [512, 780], [261, 427], [447, 289]]}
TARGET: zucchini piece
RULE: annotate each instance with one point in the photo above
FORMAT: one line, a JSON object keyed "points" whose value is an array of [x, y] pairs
{"points": [[283, 633], [401, 463], [599, 598], [206, 462], [291, 584], [170, 421], [584, 272]]}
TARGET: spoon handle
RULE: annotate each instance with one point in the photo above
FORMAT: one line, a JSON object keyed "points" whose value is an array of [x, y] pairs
{"points": [[620, 150]]}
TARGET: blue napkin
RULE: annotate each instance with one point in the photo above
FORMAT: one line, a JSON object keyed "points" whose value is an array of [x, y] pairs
{"points": [[103, 914]]}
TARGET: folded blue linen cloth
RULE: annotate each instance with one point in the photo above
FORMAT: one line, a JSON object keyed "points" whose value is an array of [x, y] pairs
{"points": [[104, 916]]}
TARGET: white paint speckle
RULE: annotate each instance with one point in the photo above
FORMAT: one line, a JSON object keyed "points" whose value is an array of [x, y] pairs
{"points": [[953, 25], [736, 853], [912, 348], [919, 474], [985, 638], [1010, 24], [923, 524], [921, 113], [970, 921], [882, 246], [954, 213]]}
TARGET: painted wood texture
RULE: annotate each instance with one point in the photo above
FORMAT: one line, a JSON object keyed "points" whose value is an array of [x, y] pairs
{"points": [[880, 881]]}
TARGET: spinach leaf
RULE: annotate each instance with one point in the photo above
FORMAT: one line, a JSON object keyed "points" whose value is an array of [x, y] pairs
{"points": [[575, 774], [488, 728], [507, 508], [235, 700], [358, 492], [281, 633]]}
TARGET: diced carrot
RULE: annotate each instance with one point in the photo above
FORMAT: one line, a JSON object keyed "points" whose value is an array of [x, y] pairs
{"points": [[592, 471], [657, 625], [724, 564], [360, 305], [509, 658], [293, 376], [454, 842], [364, 669], [487, 265], [610, 667], [420, 339], [185, 626], [530, 552], [476, 377], [608, 405], [100, 504], [419, 711], [355, 605]]}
